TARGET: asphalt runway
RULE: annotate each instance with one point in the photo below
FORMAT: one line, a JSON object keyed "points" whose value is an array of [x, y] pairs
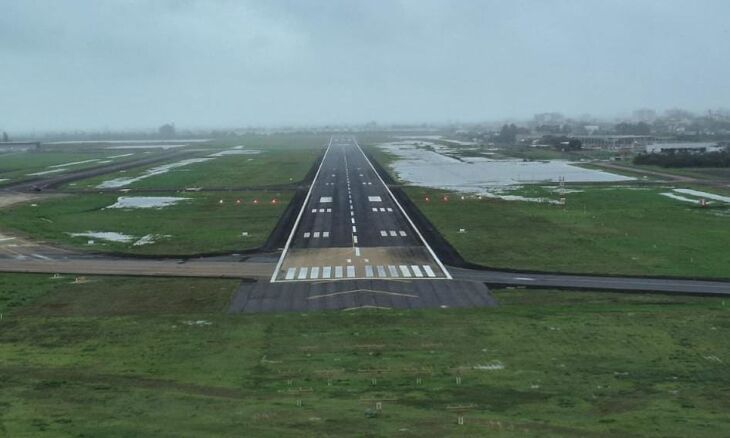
{"points": [[351, 227], [348, 295]]}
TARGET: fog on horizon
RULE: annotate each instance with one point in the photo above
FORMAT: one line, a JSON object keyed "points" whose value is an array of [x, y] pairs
{"points": [[83, 64]]}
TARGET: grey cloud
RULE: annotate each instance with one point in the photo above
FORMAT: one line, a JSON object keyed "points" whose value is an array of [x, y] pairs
{"points": [[123, 64]]}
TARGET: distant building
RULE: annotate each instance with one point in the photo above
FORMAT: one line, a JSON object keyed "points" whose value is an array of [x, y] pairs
{"points": [[19, 146], [697, 148], [610, 142]]}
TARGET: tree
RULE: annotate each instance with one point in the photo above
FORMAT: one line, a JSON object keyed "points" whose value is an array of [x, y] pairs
{"points": [[508, 133]]}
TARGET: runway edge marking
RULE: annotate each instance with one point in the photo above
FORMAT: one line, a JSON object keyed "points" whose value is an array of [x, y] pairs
{"points": [[433, 254], [301, 212]]}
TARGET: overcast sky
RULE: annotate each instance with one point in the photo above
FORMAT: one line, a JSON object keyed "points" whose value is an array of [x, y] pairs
{"points": [[94, 64]]}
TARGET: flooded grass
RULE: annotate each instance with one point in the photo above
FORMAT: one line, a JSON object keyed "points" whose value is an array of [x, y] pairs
{"points": [[607, 230], [201, 224]]}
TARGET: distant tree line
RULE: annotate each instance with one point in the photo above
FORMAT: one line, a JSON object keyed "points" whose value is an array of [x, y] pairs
{"points": [[685, 159], [508, 133], [640, 128]]}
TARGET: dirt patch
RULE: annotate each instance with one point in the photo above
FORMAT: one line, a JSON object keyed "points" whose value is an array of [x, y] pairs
{"points": [[8, 199]]}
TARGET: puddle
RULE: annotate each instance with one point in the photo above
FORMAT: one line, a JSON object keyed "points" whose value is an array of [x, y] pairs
{"points": [[149, 239], [680, 198], [73, 163], [703, 194], [235, 151], [146, 201], [148, 146], [431, 168], [46, 172], [110, 236], [159, 170]]}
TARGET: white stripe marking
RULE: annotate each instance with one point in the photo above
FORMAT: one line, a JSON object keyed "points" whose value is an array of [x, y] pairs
{"points": [[404, 270], [357, 251], [290, 273], [350, 271], [306, 235], [393, 233], [338, 271], [326, 272], [417, 271], [325, 234], [381, 271], [368, 271], [429, 271], [402, 233], [302, 273], [383, 233], [316, 235], [314, 273]]}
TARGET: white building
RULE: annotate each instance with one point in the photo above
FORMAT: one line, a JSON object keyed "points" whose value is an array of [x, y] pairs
{"points": [[697, 148]]}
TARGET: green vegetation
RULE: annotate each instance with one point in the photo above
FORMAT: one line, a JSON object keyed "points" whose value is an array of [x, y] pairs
{"points": [[685, 159], [545, 363], [607, 230], [228, 171], [283, 159], [200, 224], [17, 166]]}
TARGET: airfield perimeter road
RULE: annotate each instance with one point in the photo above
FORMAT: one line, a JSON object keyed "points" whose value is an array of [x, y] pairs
{"points": [[351, 227], [231, 268]]}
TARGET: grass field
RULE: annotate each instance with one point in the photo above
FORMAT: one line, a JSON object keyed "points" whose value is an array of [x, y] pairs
{"points": [[198, 225], [272, 167], [282, 159], [608, 230], [15, 167], [90, 360]]}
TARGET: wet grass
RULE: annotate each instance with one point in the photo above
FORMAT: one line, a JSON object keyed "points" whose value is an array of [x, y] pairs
{"points": [[607, 230], [16, 167], [562, 364], [199, 225], [282, 160]]}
